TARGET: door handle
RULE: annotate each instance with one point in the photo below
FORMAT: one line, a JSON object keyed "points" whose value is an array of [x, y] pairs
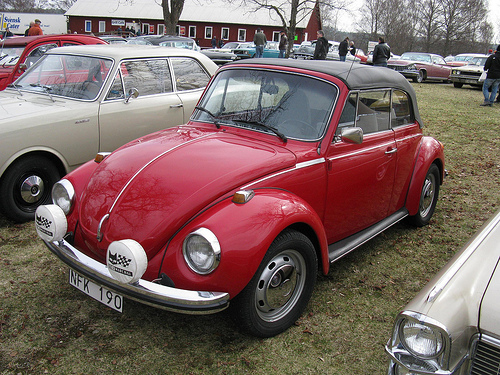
{"points": [[392, 151], [176, 105]]}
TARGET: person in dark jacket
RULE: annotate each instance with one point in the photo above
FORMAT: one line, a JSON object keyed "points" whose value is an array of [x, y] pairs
{"points": [[260, 42], [381, 53], [492, 66], [343, 49], [352, 48], [321, 48], [283, 44]]}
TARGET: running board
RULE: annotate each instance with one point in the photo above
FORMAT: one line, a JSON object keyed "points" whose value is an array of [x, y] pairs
{"points": [[338, 249]]}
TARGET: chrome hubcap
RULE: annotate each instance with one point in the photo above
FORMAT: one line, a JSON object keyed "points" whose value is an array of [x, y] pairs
{"points": [[32, 189], [280, 285], [427, 197]]}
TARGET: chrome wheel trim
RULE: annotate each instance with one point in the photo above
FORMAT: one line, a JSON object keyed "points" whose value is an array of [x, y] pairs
{"points": [[427, 196], [32, 189], [280, 285]]}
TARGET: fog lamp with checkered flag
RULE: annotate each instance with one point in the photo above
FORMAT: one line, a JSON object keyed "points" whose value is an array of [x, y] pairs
{"points": [[50, 222], [126, 261]]}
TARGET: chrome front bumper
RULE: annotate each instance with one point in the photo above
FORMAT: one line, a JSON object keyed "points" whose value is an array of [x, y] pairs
{"points": [[149, 293]]}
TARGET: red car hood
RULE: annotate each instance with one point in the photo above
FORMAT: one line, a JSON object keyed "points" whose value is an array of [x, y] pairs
{"points": [[153, 185]]}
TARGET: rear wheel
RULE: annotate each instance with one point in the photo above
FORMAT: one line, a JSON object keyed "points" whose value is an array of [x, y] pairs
{"points": [[27, 184], [280, 289], [428, 197], [458, 85]]}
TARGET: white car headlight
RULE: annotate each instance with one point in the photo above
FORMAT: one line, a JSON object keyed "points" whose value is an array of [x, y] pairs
{"points": [[421, 339], [201, 251], [63, 195]]}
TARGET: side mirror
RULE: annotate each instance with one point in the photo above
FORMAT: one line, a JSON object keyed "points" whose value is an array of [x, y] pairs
{"points": [[22, 67], [352, 135], [132, 93]]}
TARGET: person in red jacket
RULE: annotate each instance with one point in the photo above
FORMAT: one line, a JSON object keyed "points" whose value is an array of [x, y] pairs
{"points": [[35, 29]]}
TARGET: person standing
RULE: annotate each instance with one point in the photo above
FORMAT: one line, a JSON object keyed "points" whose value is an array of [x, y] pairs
{"points": [[321, 49], [260, 41], [214, 42], [492, 66], [283, 44], [35, 29], [381, 53], [343, 49], [26, 32], [352, 48]]}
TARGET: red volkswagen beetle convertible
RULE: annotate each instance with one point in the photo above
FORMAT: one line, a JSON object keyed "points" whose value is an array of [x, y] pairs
{"points": [[284, 167]]}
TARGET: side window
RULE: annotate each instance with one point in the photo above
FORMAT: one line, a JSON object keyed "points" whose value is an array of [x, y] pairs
{"points": [[116, 89], [348, 116], [189, 74], [374, 108], [149, 77], [38, 52], [401, 109]]}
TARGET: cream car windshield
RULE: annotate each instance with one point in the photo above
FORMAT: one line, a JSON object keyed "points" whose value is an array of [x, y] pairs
{"points": [[288, 105], [70, 76]]}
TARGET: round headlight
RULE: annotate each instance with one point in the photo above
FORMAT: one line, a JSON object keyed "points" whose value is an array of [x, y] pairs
{"points": [[63, 195], [420, 339], [201, 251]]}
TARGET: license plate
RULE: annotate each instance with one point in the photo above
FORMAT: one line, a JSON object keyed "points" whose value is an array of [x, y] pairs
{"points": [[103, 295]]}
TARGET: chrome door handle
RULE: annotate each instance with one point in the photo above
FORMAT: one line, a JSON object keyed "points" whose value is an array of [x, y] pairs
{"points": [[176, 106], [391, 151]]}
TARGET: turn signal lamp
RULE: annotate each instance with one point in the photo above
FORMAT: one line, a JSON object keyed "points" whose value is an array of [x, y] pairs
{"points": [[101, 156], [243, 196]]}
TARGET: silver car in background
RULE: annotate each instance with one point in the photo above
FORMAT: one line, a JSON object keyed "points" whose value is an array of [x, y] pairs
{"points": [[452, 325]]}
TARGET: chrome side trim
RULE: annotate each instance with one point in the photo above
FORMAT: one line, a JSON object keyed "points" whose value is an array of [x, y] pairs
{"points": [[364, 150], [149, 293], [304, 164]]}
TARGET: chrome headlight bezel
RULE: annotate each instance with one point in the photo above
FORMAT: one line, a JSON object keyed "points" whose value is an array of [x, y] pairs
{"points": [[421, 339], [201, 250], [63, 195]]}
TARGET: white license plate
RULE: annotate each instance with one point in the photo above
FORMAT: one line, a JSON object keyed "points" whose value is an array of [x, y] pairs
{"points": [[103, 295]]}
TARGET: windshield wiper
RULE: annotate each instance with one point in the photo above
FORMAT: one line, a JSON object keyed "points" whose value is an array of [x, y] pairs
{"points": [[267, 127], [46, 89], [15, 87], [214, 117]]}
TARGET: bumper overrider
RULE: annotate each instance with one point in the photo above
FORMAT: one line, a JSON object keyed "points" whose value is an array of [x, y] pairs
{"points": [[50, 225]]}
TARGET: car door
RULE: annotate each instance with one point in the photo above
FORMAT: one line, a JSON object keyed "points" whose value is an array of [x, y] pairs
{"points": [[442, 69], [123, 118], [361, 176], [190, 79]]}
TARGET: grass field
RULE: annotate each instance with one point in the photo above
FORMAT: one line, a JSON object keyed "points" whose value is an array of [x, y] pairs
{"points": [[47, 326]]}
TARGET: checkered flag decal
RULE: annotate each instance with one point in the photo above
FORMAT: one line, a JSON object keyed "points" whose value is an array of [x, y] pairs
{"points": [[43, 222], [119, 260]]}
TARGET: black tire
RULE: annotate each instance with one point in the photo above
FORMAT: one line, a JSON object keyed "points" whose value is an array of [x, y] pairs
{"points": [[280, 289], [457, 85], [420, 78], [428, 197], [27, 184]]}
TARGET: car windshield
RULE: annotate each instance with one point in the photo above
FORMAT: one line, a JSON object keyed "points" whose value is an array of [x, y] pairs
{"points": [[230, 45], [10, 55], [416, 57], [478, 61], [71, 76], [295, 106]]}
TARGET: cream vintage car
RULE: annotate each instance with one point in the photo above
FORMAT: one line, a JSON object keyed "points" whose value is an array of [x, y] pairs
{"points": [[80, 100], [452, 325]]}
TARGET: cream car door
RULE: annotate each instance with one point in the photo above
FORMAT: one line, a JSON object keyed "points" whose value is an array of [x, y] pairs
{"points": [[123, 118]]}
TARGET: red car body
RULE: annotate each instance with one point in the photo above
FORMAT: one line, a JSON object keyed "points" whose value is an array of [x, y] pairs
{"points": [[420, 66], [28, 50], [275, 205]]}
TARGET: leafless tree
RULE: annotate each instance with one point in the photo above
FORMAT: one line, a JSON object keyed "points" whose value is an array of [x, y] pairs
{"points": [[172, 10]]}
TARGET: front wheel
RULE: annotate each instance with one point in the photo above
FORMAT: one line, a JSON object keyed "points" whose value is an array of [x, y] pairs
{"points": [[27, 184], [428, 197], [280, 289], [457, 85], [420, 77]]}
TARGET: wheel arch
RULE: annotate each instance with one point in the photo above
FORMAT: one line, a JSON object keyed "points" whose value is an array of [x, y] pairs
{"points": [[57, 159]]}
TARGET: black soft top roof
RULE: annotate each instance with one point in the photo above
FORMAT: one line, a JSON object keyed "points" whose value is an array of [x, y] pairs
{"points": [[356, 76]]}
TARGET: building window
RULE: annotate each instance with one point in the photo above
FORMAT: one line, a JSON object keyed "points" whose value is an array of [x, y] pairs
{"points": [[192, 31], [102, 26], [242, 35], [208, 32], [225, 33], [276, 36], [88, 26], [161, 29]]}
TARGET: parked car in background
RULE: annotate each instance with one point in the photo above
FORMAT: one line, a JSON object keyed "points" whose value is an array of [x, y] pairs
{"points": [[306, 50], [18, 53], [451, 326], [462, 59], [369, 57], [469, 74], [272, 179], [165, 41], [76, 101], [419, 67], [113, 39], [222, 55], [247, 50]]}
